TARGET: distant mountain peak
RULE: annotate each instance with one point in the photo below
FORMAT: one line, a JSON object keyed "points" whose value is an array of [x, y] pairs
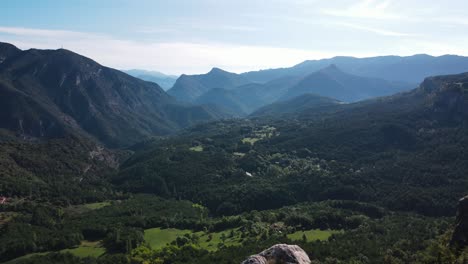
{"points": [[217, 70], [332, 68], [189, 87]]}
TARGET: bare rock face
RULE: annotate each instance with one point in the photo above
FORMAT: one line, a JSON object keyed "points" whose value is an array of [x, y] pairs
{"points": [[460, 233], [280, 254]]}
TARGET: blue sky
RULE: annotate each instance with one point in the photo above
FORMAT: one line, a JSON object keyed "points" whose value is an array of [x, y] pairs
{"points": [[183, 36]]}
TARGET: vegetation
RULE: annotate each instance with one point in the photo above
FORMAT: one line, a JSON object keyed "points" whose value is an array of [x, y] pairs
{"points": [[372, 182], [310, 235], [94, 206], [197, 148]]}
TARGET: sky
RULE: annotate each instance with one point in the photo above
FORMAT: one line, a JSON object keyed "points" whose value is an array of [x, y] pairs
{"points": [[193, 36]]}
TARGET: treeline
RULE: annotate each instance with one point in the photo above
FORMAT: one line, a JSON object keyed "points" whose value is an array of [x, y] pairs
{"points": [[370, 235]]}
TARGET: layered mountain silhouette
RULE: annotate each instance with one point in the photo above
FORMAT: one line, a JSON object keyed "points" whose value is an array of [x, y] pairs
{"points": [[51, 93], [334, 83], [163, 80], [245, 99], [411, 69], [438, 108], [189, 87], [242, 100]]}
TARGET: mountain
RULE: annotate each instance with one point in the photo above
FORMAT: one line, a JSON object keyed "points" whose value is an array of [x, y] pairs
{"points": [[244, 99], [163, 80], [405, 152], [410, 69], [225, 98], [304, 102], [334, 83], [51, 93], [358, 175], [328, 82], [188, 87]]}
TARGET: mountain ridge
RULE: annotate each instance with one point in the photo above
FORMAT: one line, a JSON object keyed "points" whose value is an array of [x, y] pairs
{"points": [[79, 94], [189, 87], [391, 67]]}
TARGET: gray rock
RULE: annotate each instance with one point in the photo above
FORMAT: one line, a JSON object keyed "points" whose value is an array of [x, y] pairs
{"points": [[460, 233], [280, 254]]}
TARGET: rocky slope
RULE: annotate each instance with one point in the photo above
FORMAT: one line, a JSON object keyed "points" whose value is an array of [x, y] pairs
{"points": [[280, 254]]}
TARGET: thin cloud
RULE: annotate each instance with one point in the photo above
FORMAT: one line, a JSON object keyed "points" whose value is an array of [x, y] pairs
{"points": [[454, 20], [170, 57], [181, 26], [46, 33], [155, 30], [378, 31], [364, 9]]}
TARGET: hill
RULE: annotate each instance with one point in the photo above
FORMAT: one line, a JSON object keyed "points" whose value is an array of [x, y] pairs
{"points": [[382, 150], [244, 99], [304, 102], [225, 98], [348, 179], [52, 93]]}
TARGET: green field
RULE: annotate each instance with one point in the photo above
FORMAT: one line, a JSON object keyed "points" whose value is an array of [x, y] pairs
{"points": [[250, 140], [86, 249], [315, 234], [94, 206], [197, 149], [158, 238], [212, 245]]}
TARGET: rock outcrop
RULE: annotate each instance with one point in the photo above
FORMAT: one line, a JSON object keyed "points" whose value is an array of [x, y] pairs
{"points": [[280, 254], [460, 233]]}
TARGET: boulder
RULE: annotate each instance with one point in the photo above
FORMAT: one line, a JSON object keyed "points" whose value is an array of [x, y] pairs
{"points": [[280, 254], [460, 233]]}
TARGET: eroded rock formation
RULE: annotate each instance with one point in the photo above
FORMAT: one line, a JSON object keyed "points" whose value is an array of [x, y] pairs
{"points": [[280, 254]]}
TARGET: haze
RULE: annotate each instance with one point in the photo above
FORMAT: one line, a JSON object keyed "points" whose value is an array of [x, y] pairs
{"points": [[193, 36]]}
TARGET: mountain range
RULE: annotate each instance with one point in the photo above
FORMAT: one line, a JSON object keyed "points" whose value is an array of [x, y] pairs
{"points": [[409, 69], [189, 87], [98, 166], [219, 88], [163, 80], [50, 93]]}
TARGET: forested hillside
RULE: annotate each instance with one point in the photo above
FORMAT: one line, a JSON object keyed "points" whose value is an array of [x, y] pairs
{"points": [[375, 181]]}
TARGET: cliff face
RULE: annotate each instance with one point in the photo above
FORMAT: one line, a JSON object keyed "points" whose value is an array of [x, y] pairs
{"points": [[280, 254], [460, 233]]}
